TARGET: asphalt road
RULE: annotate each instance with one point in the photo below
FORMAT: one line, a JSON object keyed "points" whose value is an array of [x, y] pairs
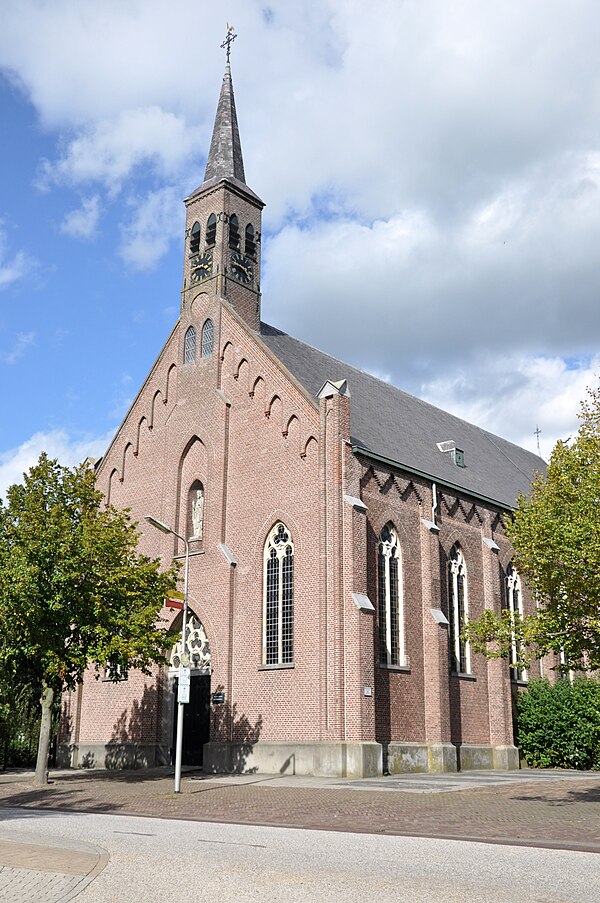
{"points": [[153, 859]]}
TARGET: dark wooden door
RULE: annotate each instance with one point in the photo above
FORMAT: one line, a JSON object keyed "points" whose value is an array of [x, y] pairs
{"points": [[196, 720]]}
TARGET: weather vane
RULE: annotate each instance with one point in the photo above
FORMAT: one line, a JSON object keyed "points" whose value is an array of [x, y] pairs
{"points": [[231, 36]]}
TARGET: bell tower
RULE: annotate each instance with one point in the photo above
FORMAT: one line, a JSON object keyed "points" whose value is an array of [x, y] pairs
{"points": [[223, 219]]}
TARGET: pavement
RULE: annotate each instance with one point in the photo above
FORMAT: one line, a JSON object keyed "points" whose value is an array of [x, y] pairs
{"points": [[557, 810]]}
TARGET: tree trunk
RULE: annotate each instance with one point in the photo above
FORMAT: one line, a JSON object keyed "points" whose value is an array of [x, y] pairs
{"points": [[41, 768]]}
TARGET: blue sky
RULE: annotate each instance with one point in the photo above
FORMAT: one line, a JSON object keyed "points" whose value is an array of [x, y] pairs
{"points": [[432, 180]]}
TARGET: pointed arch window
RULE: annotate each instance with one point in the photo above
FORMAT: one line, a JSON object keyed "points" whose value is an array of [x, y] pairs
{"points": [[195, 239], [207, 338], [515, 606], [189, 346], [211, 230], [278, 601], [249, 243], [458, 608], [234, 232], [390, 598]]}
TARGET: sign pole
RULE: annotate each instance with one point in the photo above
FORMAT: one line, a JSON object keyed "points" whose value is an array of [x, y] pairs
{"points": [[180, 704]]}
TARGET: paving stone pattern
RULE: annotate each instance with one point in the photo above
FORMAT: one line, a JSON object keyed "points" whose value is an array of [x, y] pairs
{"points": [[541, 809]]}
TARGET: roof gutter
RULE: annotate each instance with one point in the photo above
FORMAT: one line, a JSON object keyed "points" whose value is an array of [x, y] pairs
{"points": [[358, 450]]}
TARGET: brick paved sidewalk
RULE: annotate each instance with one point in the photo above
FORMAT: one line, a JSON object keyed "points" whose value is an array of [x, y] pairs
{"points": [[561, 812], [32, 872]]}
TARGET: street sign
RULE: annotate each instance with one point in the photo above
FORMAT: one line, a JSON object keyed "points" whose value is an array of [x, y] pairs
{"points": [[174, 603], [183, 693], [183, 690]]}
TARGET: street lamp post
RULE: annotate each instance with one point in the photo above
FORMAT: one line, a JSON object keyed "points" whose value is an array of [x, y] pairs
{"points": [[179, 742]]}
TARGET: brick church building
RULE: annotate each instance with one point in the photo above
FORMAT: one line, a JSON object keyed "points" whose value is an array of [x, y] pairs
{"points": [[340, 530]]}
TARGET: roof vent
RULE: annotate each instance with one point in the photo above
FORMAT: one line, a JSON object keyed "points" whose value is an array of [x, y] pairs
{"points": [[457, 454]]}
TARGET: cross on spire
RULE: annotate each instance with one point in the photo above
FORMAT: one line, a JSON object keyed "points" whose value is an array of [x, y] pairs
{"points": [[230, 38], [537, 433]]}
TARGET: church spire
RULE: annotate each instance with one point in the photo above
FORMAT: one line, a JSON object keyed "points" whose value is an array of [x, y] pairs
{"points": [[225, 154]]}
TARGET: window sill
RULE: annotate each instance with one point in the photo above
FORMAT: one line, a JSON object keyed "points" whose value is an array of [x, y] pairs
{"points": [[181, 556], [282, 667], [403, 668], [519, 682], [462, 675]]}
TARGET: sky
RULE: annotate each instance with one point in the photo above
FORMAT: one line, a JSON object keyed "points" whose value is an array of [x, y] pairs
{"points": [[431, 170]]}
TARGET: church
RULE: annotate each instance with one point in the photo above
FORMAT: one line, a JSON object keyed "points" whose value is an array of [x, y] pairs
{"points": [[339, 531]]}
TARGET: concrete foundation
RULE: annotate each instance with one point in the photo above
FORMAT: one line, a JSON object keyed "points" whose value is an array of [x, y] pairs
{"points": [[474, 757], [112, 756], [420, 758], [351, 760]]}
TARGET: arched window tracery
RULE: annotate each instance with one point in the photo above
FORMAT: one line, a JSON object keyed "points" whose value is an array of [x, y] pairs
{"points": [[278, 602], [391, 598], [458, 609]]}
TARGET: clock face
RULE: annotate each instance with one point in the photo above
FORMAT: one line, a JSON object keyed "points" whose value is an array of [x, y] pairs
{"points": [[241, 269], [200, 267]]}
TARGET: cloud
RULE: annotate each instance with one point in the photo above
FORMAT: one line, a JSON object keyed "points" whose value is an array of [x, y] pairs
{"points": [[157, 220], [432, 186], [111, 150], [515, 395], [22, 343], [82, 223], [69, 450], [12, 268]]}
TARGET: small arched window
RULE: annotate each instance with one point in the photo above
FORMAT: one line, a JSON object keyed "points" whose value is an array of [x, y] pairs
{"points": [[458, 609], [250, 244], [234, 232], [189, 346], [278, 601], [207, 339], [390, 597], [515, 606], [211, 230], [195, 239]]}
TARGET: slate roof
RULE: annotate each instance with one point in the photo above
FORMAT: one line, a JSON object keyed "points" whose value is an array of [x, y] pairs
{"points": [[392, 424], [225, 162]]}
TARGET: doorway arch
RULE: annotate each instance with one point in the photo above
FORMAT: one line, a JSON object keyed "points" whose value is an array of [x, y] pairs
{"points": [[196, 713]]}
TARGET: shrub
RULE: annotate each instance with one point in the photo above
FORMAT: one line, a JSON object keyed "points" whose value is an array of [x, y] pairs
{"points": [[558, 726]]}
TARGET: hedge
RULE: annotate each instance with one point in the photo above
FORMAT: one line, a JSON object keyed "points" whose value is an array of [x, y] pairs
{"points": [[558, 726]]}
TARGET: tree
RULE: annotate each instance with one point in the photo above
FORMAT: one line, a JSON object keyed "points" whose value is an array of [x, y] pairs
{"points": [[73, 589], [556, 536]]}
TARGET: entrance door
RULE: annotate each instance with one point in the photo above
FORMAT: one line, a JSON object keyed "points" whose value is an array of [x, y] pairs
{"points": [[196, 720]]}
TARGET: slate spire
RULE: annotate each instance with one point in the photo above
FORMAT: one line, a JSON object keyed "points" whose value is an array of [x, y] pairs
{"points": [[225, 154]]}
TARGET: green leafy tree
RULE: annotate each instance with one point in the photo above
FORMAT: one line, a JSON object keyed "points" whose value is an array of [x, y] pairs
{"points": [[74, 591], [556, 536]]}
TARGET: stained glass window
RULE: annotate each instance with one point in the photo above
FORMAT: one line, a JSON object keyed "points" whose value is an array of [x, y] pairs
{"points": [[460, 653], [515, 606], [391, 599], [278, 631]]}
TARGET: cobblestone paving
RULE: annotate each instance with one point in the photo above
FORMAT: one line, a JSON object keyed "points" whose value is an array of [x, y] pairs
{"points": [[556, 811]]}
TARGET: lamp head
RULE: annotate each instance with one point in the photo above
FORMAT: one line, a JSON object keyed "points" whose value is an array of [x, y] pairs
{"points": [[157, 523]]}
